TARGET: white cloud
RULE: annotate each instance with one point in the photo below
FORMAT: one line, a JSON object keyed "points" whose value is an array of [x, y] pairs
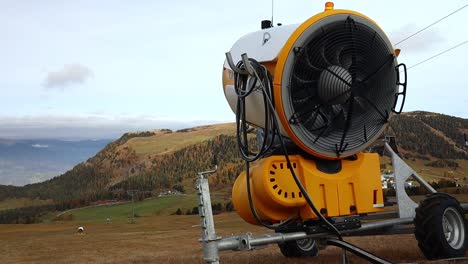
{"points": [[70, 74], [39, 146]]}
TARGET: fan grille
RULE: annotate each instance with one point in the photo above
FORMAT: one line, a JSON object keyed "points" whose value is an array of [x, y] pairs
{"points": [[342, 86]]}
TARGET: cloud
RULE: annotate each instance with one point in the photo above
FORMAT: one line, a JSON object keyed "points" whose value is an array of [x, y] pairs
{"points": [[85, 127], [419, 43], [70, 74], [39, 146]]}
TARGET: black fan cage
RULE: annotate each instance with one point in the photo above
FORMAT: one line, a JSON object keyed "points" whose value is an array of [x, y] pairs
{"points": [[342, 86]]}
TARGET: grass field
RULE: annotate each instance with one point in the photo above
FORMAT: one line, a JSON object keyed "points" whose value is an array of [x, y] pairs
{"points": [[435, 174], [162, 143], [121, 213], [166, 239], [157, 237]]}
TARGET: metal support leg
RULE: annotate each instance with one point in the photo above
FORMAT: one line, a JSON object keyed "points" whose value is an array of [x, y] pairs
{"points": [[357, 251], [209, 239], [402, 171]]}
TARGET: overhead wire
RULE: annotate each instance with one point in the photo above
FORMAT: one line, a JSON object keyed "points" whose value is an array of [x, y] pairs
{"points": [[430, 25], [438, 54]]}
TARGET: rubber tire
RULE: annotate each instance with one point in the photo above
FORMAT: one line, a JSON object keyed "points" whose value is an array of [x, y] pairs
{"points": [[429, 230], [291, 249]]}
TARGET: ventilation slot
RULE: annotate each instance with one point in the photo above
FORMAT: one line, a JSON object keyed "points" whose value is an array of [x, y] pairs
{"points": [[272, 172], [272, 179], [280, 191]]}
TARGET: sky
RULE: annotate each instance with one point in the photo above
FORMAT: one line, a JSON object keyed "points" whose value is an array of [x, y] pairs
{"points": [[96, 69]]}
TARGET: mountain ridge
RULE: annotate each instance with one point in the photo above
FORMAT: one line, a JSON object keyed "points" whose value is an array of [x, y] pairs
{"points": [[125, 163]]}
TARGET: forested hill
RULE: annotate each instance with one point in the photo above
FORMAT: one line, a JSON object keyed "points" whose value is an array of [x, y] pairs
{"points": [[430, 134], [158, 160]]}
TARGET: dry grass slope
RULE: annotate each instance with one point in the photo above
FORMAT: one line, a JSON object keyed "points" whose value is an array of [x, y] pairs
{"points": [[163, 143], [22, 202]]}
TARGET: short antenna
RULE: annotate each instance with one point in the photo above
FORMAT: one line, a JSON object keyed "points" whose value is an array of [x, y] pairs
{"points": [[272, 7]]}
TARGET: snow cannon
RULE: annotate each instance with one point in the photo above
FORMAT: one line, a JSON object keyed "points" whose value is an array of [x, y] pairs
{"points": [[319, 94]]}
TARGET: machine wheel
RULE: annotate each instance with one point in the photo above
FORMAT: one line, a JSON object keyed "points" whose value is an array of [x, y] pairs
{"points": [[440, 227], [299, 248]]}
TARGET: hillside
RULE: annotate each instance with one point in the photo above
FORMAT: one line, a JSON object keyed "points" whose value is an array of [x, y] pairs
{"points": [[153, 161], [118, 167], [430, 134]]}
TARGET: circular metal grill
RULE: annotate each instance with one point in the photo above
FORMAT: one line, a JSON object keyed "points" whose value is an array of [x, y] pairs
{"points": [[342, 86]]}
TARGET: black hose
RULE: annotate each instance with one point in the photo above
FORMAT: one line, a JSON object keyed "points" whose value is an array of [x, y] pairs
{"points": [[271, 128], [243, 90]]}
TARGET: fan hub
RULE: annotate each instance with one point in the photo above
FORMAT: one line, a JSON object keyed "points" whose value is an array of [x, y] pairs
{"points": [[334, 85]]}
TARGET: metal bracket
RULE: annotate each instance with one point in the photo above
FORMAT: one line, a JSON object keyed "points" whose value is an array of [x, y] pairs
{"points": [[402, 171], [245, 242], [209, 238], [402, 83]]}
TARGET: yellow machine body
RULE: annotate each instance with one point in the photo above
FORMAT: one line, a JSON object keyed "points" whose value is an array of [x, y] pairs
{"points": [[355, 189]]}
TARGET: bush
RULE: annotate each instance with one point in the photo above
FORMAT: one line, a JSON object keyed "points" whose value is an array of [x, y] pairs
{"points": [[179, 188], [217, 208], [229, 207], [442, 163], [443, 183]]}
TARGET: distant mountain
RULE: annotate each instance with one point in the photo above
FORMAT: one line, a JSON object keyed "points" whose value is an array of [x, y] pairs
{"points": [[163, 159], [30, 161]]}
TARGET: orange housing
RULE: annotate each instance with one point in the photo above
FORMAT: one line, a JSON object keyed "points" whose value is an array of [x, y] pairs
{"points": [[355, 189]]}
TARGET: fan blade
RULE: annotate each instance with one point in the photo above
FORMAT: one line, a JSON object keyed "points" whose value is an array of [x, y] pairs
{"points": [[304, 57], [302, 81], [375, 108], [374, 73], [302, 100], [360, 105], [315, 121], [322, 54], [344, 57], [337, 55], [334, 121]]}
